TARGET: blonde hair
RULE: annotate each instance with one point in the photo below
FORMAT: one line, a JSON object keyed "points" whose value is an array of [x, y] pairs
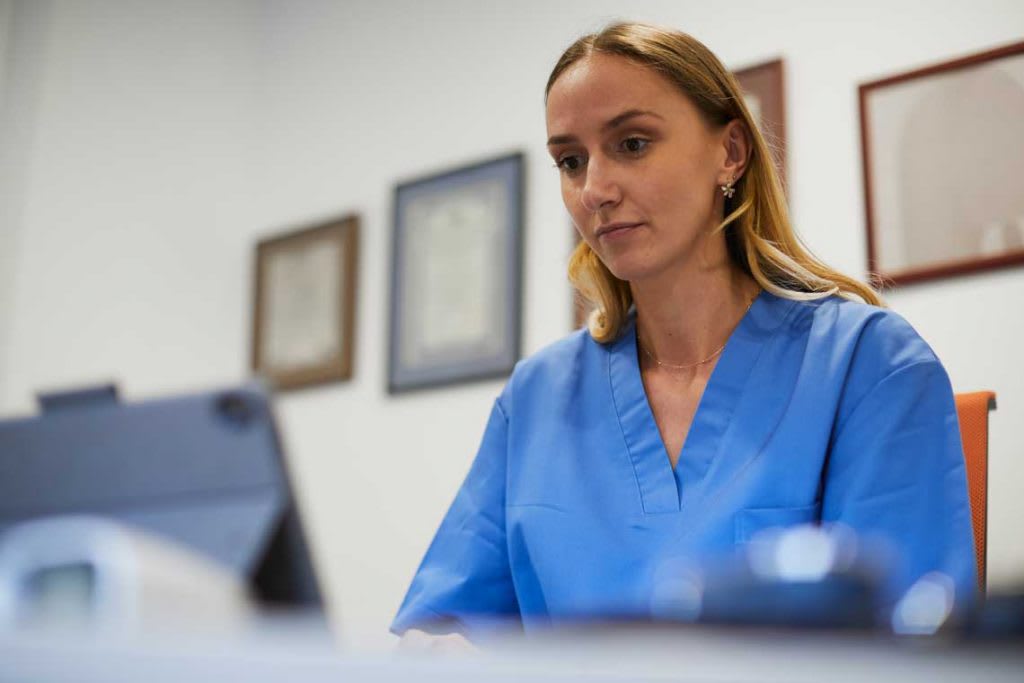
{"points": [[758, 233]]}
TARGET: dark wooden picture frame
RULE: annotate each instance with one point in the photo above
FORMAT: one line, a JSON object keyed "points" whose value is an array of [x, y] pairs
{"points": [[456, 275], [765, 89], [304, 305], [942, 163]]}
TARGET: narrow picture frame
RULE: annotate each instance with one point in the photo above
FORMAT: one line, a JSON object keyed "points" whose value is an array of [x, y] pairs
{"points": [[941, 160], [304, 305], [456, 275], [764, 90]]}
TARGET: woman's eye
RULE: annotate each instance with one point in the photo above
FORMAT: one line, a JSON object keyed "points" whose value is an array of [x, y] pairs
{"points": [[569, 164], [634, 145]]}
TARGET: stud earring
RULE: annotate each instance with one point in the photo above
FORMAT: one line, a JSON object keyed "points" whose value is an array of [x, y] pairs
{"points": [[728, 190]]}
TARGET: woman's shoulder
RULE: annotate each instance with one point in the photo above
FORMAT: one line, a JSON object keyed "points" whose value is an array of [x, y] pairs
{"points": [[875, 329], [557, 354], [870, 341], [555, 367]]}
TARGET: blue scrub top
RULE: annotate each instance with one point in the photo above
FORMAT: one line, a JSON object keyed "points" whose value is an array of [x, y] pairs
{"points": [[820, 411]]}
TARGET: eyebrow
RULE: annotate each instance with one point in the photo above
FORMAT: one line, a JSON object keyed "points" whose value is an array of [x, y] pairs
{"points": [[608, 125]]}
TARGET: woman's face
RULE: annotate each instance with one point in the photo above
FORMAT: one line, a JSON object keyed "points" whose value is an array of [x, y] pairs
{"points": [[640, 168]]}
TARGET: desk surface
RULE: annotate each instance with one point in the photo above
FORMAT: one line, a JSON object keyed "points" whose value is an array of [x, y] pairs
{"points": [[609, 655]]}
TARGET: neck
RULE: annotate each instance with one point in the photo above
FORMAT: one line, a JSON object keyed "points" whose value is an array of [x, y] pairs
{"points": [[685, 317]]}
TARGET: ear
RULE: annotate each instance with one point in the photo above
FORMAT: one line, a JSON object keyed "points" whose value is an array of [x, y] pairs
{"points": [[735, 140]]}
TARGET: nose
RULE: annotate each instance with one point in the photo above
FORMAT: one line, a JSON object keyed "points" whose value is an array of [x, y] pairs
{"points": [[600, 187]]}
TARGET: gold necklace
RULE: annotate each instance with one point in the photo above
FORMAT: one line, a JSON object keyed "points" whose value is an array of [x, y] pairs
{"points": [[670, 366]]}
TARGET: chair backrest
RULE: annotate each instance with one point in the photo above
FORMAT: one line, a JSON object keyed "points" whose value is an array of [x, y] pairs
{"points": [[972, 410]]}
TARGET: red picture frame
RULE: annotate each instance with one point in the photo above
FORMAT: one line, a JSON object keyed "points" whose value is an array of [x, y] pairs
{"points": [[942, 164]]}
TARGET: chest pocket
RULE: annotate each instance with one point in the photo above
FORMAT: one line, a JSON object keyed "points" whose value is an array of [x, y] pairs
{"points": [[750, 521]]}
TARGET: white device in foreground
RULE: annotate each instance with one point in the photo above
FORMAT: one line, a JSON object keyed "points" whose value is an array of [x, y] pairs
{"points": [[80, 569]]}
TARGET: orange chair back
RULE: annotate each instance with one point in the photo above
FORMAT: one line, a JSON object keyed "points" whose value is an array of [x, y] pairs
{"points": [[972, 410]]}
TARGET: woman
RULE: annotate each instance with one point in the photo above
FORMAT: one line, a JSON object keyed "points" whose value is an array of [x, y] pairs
{"points": [[728, 381]]}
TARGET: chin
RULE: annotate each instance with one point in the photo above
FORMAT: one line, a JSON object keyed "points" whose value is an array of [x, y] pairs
{"points": [[631, 270]]}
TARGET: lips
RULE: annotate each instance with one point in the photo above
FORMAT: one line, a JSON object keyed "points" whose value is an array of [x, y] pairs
{"points": [[617, 228]]}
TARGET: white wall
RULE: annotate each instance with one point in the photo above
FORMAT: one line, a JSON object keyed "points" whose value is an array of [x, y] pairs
{"points": [[8, 221], [162, 138]]}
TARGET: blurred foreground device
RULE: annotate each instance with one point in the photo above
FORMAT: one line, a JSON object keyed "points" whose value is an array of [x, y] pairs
{"points": [[73, 570], [804, 576], [204, 471]]}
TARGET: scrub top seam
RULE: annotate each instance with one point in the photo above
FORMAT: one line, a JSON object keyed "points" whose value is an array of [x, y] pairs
{"points": [[853, 411]]}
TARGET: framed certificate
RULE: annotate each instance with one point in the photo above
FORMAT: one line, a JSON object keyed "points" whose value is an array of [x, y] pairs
{"points": [[943, 167], [456, 275], [305, 305]]}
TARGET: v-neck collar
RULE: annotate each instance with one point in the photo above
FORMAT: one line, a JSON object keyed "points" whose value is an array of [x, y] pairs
{"points": [[663, 489]]}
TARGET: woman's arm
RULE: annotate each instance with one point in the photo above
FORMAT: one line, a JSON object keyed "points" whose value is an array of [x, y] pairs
{"points": [[896, 471], [415, 640], [465, 575]]}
